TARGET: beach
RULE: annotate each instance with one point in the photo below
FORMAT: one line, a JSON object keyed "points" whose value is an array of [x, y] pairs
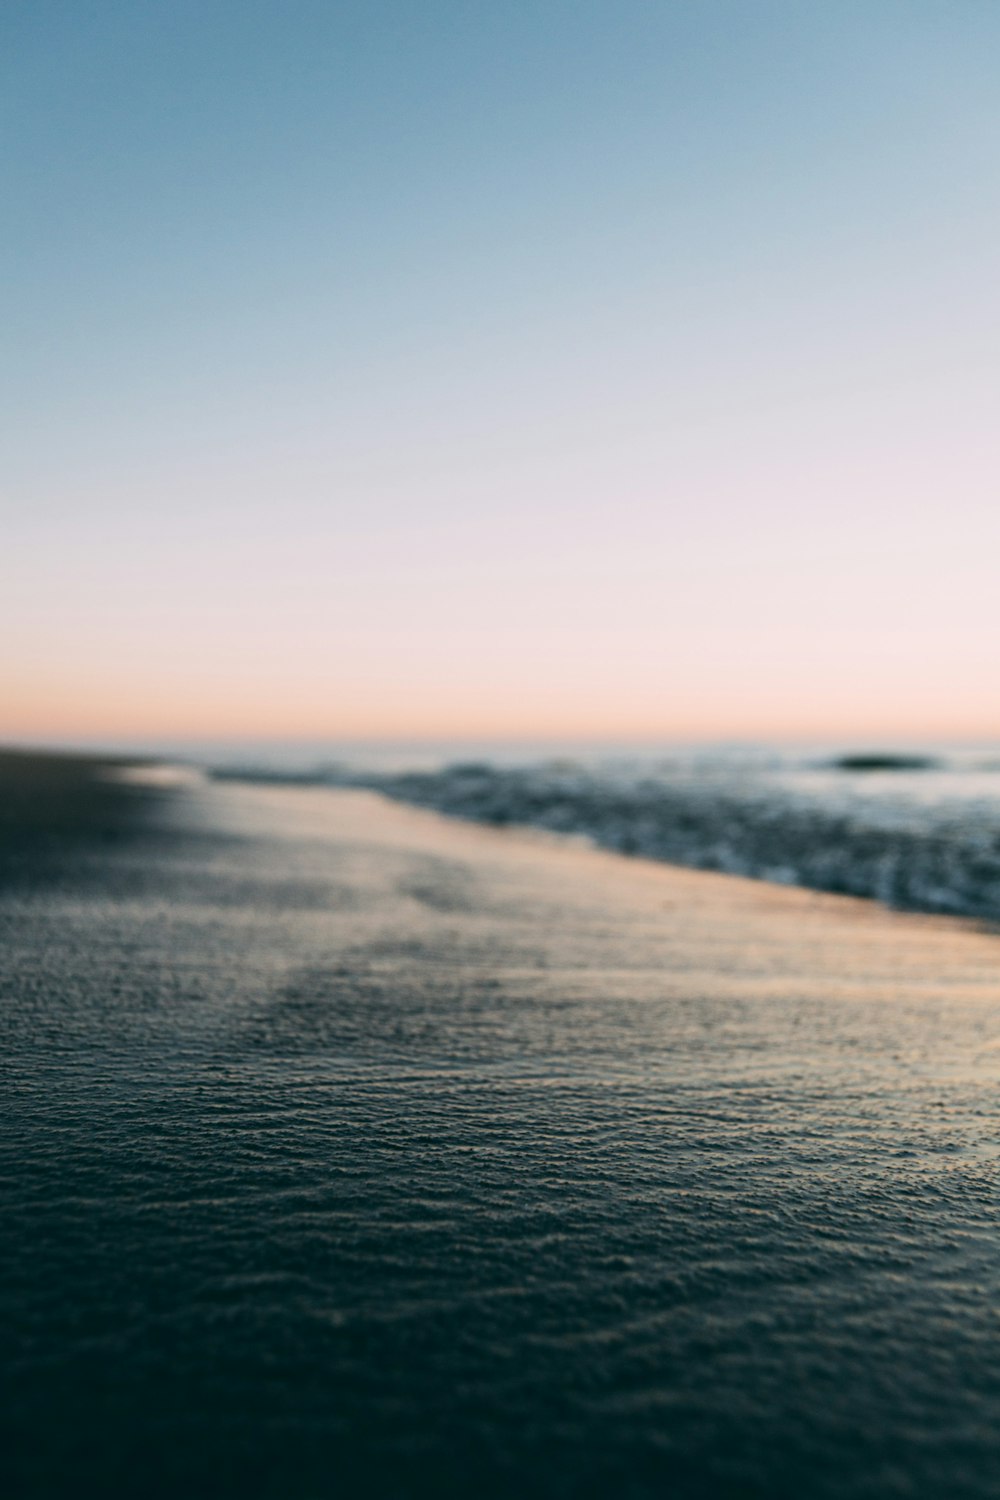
{"points": [[356, 1150]]}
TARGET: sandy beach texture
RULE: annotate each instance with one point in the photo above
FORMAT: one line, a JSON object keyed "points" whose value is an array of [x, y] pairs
{"points": [[353, 1150]]}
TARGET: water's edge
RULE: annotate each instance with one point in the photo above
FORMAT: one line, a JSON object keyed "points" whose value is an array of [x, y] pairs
{"points": [[947, 863]]}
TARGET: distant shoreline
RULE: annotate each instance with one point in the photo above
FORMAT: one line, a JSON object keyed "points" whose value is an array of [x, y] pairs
{"points": [[53, 799]]}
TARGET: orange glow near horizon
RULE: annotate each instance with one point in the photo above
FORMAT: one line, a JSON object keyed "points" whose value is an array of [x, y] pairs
{"points": [[47, 711]]}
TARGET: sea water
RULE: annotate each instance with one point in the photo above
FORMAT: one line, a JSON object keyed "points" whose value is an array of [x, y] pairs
{"points": [[915, 829]]}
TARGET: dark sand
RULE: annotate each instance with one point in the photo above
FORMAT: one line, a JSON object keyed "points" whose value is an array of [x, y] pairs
{"points": [[352, 1151], [56, 810]]}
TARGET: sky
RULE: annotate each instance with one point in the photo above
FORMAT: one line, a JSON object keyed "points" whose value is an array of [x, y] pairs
{"points": [[605, 369]]}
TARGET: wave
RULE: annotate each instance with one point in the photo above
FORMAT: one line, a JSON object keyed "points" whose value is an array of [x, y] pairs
{"points": [[908, 856]]}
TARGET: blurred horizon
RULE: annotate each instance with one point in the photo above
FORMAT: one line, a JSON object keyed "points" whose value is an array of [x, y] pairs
{"points": [[412, 752]]}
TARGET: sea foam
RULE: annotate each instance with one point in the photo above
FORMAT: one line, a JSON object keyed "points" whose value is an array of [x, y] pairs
{"points": [[906, 833]]}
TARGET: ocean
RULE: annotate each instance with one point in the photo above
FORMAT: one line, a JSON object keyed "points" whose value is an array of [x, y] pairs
{"points": [[917, 829]]}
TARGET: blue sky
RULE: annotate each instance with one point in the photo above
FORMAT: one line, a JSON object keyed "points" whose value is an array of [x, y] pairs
{"points": [[522, 368]]}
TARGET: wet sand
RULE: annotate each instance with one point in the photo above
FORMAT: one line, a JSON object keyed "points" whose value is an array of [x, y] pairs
{"points": [[355, 1150]]}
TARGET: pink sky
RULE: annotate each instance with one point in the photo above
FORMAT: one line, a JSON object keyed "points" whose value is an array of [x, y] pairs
{"points": [[643, 385]]}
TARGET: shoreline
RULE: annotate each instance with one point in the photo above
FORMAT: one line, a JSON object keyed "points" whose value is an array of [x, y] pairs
{"points": [[947, 867], [70, 798]]}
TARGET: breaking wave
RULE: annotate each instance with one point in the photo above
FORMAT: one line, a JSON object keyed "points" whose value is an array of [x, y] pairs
{"points": [[829, 833]]}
